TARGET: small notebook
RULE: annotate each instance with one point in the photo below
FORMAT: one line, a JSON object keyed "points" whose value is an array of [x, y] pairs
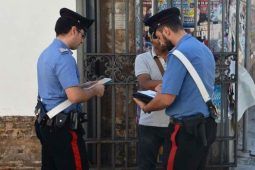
{"points": [[145, 96]]}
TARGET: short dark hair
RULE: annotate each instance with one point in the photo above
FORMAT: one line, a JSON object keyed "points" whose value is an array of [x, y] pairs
{"points": [[64, 25], [174, 24]]}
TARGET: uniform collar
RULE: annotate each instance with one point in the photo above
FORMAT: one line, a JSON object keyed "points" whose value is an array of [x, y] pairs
{"points": [[62, 46], [185, 37]]}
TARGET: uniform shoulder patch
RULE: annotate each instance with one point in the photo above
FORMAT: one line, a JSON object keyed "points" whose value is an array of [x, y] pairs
{"points": [[63, 50]]}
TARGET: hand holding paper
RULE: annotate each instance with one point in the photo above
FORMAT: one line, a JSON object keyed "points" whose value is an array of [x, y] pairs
{"points": [[65, 104], [145, 96], [158, 88], [88, 84], [141, 98], [91, 84], [98, 86], [139, 103], [104, 81], [99, 89]]}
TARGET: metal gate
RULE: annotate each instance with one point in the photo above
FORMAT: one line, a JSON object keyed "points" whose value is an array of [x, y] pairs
{"points": [[110, 51]]}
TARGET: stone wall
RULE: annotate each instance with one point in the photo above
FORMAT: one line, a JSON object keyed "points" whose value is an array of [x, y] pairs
{"points": [[19, 146]]}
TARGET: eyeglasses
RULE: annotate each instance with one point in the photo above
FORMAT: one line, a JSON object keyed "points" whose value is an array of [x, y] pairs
{"points": [[83, 34]]}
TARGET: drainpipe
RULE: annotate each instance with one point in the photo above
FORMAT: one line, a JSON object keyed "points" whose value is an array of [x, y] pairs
{"points": [[247, 66]]}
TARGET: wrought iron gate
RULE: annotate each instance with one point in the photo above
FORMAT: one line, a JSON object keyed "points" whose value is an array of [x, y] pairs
{"points": [[110, 51], [111, 131]]}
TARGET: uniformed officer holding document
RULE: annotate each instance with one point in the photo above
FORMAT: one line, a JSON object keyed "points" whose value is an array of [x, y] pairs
{"points": [[58, 80], [192, 126]]}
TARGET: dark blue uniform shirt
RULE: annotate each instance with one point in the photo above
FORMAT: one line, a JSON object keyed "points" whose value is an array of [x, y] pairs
{"points": [[56, 71], [177, 81]]}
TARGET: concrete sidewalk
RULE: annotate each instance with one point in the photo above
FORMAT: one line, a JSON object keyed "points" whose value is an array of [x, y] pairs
{"points": [[246, 160]]}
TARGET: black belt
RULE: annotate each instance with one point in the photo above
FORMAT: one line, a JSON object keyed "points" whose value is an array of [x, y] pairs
{"points": [[194, 125], [59, 120], [72, 119], [181, 120], [175, 121]]}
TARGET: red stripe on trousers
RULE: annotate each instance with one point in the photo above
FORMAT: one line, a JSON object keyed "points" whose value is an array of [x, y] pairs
{"points": [[170, 163], [76, 152]]}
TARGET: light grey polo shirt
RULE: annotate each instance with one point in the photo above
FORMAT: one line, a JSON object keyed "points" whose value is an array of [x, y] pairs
{"points": [[145, 64]]}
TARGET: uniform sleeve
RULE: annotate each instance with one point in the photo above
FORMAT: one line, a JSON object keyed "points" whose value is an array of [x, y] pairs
{"points": [[140, 66], [66, 71], [174, 76]]}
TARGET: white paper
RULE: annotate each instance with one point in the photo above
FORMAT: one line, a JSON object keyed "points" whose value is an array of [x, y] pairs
{"points": [[91, 84], [150, 93]]}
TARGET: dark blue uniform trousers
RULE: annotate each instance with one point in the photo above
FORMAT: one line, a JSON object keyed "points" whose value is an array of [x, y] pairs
{"points": [[185, 151], [62, 148]]}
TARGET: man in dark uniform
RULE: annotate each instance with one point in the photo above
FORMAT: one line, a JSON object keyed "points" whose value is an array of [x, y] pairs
{"points": [[58, 80], [192, 129]]}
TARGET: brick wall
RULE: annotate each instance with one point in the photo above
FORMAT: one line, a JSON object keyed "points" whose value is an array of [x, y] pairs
{"points": [[19, 146]]}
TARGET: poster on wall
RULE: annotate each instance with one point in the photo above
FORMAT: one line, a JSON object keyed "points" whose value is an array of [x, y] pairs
{"points": [[162, 4], [252, 58], [120, 15], [253, 28], [216, 98], [188, 11], [147, 12], [144, 44], [231, 37], [242, 28], [202, 21], [216, 26]]}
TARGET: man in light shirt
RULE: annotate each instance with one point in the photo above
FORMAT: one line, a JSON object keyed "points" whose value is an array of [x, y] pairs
{"points": [[149, 69]]}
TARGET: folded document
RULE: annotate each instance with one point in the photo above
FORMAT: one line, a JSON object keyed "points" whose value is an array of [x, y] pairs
{"points": [[90, 84]]}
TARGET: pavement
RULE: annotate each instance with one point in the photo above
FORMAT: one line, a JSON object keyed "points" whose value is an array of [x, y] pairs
{"points": [[246, 160]]}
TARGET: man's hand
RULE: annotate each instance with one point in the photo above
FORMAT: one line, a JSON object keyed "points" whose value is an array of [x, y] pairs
{"points": [[77, 94], [88, 84], [159, 102], [99, 90], [158, 88], [139, 103]]}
